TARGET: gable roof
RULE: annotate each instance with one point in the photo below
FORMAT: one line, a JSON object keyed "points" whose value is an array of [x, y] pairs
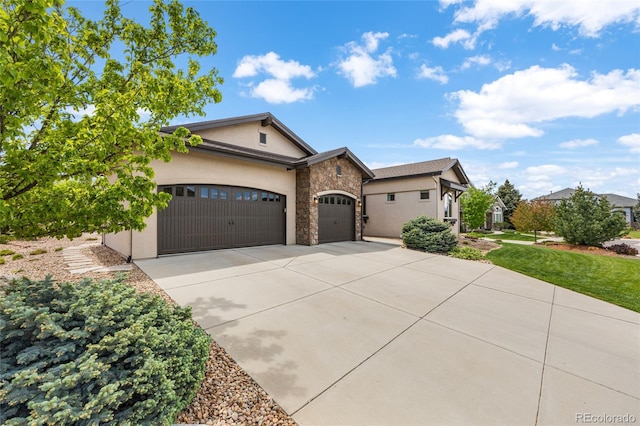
{"points": [[559, 195], [424, 168], [343, 152], [265, 119]]}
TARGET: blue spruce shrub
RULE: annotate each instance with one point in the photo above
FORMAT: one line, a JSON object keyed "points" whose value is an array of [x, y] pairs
{"points": [[428, 234], [95, 352]]}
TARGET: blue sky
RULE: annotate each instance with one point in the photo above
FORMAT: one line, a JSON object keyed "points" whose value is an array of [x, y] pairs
{"points": [[543, 93]]}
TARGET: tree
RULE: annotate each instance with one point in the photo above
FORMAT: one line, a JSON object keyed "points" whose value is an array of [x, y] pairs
{"points": [[534, 216], [586, 218], [511, 197], [636, 209], [81, 106], [475, 202]]}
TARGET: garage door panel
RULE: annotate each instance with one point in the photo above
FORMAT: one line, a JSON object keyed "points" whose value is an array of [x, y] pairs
{"points": [[216, 217], [336, 218]]}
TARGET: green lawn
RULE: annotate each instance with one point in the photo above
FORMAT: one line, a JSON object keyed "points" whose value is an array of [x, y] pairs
{"points": [[507, 236], [634, 233], [613, 279]]}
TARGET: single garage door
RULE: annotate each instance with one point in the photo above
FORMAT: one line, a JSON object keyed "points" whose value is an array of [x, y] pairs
{"points": [[209, 217], [336, 218]]}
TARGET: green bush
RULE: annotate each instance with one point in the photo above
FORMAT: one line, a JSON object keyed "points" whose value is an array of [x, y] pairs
{"points": [[17, 256], [95, 352], [468, 253], [6, 252], [428, 234]]}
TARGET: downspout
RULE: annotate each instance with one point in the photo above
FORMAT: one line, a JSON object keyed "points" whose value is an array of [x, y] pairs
{"points": [[130, 246], [437, 194]]}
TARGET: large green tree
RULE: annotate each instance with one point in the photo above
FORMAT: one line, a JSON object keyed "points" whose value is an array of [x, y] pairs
{"points": [[475, 202], [586, 218], [81, 105], [534, 216], [636, 209], [511, 197]]}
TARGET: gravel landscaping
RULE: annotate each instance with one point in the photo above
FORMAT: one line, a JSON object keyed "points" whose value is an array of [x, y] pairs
{"points": [[227, 396]]}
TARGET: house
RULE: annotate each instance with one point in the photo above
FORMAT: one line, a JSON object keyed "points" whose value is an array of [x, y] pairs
{"points": [[251, 182], [617, 202], [401, 193], [495, 214]]}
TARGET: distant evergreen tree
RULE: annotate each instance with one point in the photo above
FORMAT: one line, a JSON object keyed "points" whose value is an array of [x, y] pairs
{"points": [[511, 197], [636, 209]]}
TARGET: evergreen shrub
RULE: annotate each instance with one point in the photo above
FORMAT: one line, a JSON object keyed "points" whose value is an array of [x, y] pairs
{"points": [[95, 352], [428, 234], [468, 253]]}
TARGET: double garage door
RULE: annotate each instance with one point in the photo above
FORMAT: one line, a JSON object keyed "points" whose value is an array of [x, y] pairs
{"points": [[208, 217]]}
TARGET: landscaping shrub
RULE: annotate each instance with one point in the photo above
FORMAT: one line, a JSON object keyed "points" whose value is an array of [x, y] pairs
{"points": [[623, 249], [428, 234], [95, 352], [468, 253]]}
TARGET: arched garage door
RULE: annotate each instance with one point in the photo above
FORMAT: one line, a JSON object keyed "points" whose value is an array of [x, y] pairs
{"points": [[208, 217], [336, 218]]}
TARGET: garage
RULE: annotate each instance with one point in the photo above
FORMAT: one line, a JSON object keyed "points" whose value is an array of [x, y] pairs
{"points": [[336, 218], [210, 217]]}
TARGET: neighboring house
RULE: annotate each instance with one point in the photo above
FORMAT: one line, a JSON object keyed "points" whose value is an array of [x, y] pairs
{"points": [[401, 193], [618, 202], [495, 214], [251, 182]]}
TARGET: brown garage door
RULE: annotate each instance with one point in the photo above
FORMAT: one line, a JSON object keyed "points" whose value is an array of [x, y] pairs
{"points": [[209, 217], [336, 218]]}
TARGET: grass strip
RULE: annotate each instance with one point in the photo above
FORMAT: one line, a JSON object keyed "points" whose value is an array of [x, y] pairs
{"points": [[612, 279]]}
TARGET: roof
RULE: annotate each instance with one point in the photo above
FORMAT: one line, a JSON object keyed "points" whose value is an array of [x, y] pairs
{"points": [[265, 118], [614, 199], [343, 152], [424, 168], [236, 151]]}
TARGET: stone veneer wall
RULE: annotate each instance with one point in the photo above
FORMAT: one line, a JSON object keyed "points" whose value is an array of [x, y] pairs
{"points": [[318, 178]]}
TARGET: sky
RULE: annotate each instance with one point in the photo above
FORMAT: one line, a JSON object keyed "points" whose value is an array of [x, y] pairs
{"points": [[543, 93]]}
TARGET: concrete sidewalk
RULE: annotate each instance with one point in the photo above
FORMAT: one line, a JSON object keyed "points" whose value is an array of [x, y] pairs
{"points": [[363, 333]]}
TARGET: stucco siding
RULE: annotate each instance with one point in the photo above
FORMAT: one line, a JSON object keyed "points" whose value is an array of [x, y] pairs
{"points": [[248, 135], [385, 219], [200, 168], [120, 242]]}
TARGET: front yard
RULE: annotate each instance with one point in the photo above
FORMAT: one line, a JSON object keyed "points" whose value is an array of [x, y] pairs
{"points": [[612, 279]]}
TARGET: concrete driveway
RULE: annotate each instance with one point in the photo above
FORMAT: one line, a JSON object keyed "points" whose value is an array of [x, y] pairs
{"points": [[364, 333]]}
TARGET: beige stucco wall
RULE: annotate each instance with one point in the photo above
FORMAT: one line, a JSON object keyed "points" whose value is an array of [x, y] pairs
{"points": [[248, 136], [385, 219], [202, 168]]}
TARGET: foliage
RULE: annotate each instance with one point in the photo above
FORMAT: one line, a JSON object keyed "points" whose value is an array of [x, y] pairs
{"points": [[93, 353], [636, 209], [428, 234], [511, 197], [613, 279], [475, 202], [503, 226], [79, 126], [468, 253], [37, 252], [17, 256], [534, 216], [623, 249], [6, 252], [585, 218]]}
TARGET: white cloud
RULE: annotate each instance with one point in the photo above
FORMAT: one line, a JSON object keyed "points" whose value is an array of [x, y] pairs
{"points": [[590, 17], [278, 89], [463, 36], [436, 73], [514, 105], [578, 143], [480, 60], [361, 67], [452, 142], [544, 172], [380, 165], [631, 141], [555, 47], [508, 165]]}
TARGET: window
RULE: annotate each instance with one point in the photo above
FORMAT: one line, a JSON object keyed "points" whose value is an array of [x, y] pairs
{"points": [[424, 194], [238, 196], [448, 205], [223, 195], [168, 190], [254, 196], [179, 191], [191, 191], [247, 195], [338, 170], [265, 196], [204, 192], [391, 197], [263, 138], [214, 194]]}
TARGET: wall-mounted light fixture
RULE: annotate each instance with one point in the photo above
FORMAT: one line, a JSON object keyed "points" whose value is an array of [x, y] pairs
{"points": [[359, 203], [315, 199]]}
